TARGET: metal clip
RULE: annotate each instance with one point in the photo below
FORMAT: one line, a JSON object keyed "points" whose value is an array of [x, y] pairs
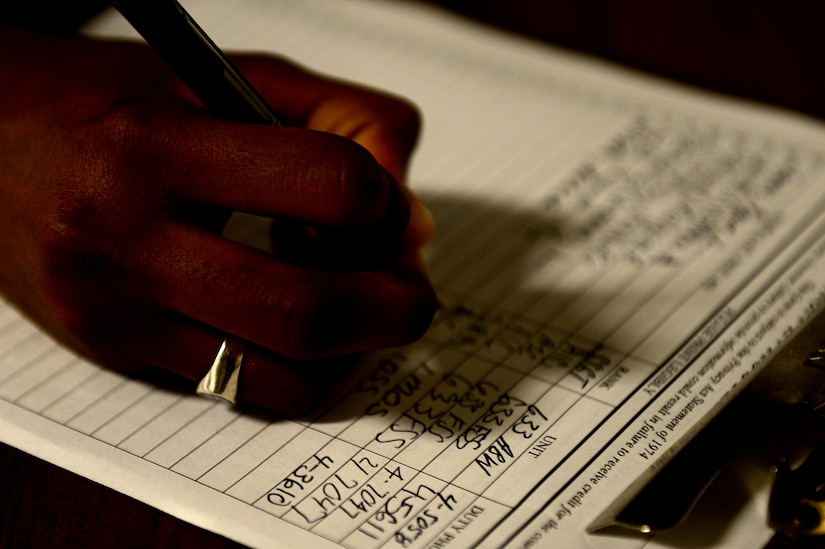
{"points": [[796, 507]]}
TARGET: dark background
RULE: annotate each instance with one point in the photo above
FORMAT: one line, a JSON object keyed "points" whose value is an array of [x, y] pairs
{"points": [[768, 50]]}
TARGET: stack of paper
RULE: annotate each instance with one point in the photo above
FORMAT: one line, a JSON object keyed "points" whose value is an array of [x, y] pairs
{"points": [[615, 257]]}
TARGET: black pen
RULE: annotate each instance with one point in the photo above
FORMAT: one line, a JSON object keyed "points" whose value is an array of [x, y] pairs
{"points": [[195, 58]]}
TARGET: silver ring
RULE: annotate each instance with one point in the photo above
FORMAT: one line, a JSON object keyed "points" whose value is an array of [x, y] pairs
{"points": [[221, 381]]}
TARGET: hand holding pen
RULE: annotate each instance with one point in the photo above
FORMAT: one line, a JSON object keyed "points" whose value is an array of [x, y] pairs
{"points": [[119, 185]]}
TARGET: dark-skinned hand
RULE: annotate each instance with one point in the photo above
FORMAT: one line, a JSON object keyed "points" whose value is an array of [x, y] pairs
{"points": [[115, 184]]}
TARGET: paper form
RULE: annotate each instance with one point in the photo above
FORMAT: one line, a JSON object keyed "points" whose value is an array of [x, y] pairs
{"points": [[614, 256]]}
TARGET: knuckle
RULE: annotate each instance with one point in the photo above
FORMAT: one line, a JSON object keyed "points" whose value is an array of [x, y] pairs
{"points": [[78, 236], [118, 119], [95, 209], [111, 118], [127, 132], [79, 257], [131, 138], [362, 191], [70, 223]]}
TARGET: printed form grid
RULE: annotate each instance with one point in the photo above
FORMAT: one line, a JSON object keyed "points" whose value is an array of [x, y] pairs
{"points": [[453, 424], [215, 446]]}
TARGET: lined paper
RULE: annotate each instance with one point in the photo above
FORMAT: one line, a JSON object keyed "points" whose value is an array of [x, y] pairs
{"points": [[615, 258]]}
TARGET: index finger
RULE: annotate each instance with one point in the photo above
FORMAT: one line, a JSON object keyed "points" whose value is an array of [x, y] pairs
{"points": [[294, 173], [386, 125]]}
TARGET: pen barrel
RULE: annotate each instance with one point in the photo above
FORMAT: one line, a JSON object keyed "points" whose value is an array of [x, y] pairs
{"points": [[195, 58]]}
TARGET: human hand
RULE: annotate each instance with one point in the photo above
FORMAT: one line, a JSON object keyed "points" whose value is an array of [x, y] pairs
{"points": [[115, 184]]}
